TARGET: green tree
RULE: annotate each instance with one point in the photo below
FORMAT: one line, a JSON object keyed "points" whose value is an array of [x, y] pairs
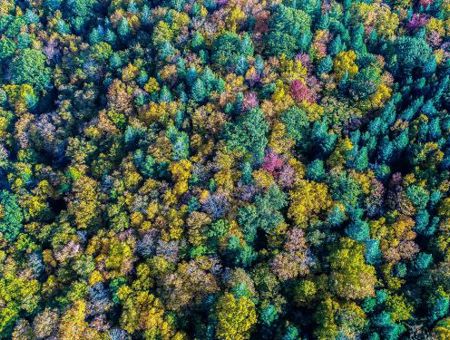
{"points": [[296, 123], [7, 48], [29, 68], [10, 216], [408, 53], [248, 134], [365, 82], [290, 31], [229, 47]]}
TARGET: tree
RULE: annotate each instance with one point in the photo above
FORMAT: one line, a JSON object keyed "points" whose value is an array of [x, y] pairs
{"points": [[189, 283], [325, 65], [335, 320], [18, 294], [344, 64], [45, 323], [85, 203], [29, 67], [399, 308], [289, 31], [305, 292], [248, 134], [438, 305], [235, 317], [199, 91], [361, 161], [10, 216], [180, 143], [365, 82], [408, 53], [144, 312], [442, 329], [308, 200], [323, 139], [239, 253], [315, 170], [358, 230], [351, 278], [7, 48], [296, 123], [263, 214], [325, 315], [228, 47], [123, 28]]}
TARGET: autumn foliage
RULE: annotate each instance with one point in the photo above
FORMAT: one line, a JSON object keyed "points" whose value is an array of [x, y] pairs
{"points": [[224, 169]]}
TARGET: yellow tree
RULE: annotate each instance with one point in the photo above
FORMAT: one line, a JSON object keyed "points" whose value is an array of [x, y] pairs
{"points": [[84, 205], [74, 326], [235, 317], [351, 277], [142, 311], [345, 63], [308, 199]]}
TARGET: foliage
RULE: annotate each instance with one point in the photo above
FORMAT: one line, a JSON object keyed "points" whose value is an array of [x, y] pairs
{"points": [[235, 317], [224, 169]]}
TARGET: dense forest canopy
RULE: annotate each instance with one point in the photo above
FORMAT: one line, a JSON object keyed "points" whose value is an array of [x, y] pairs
{"points": [[224, 169]]}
